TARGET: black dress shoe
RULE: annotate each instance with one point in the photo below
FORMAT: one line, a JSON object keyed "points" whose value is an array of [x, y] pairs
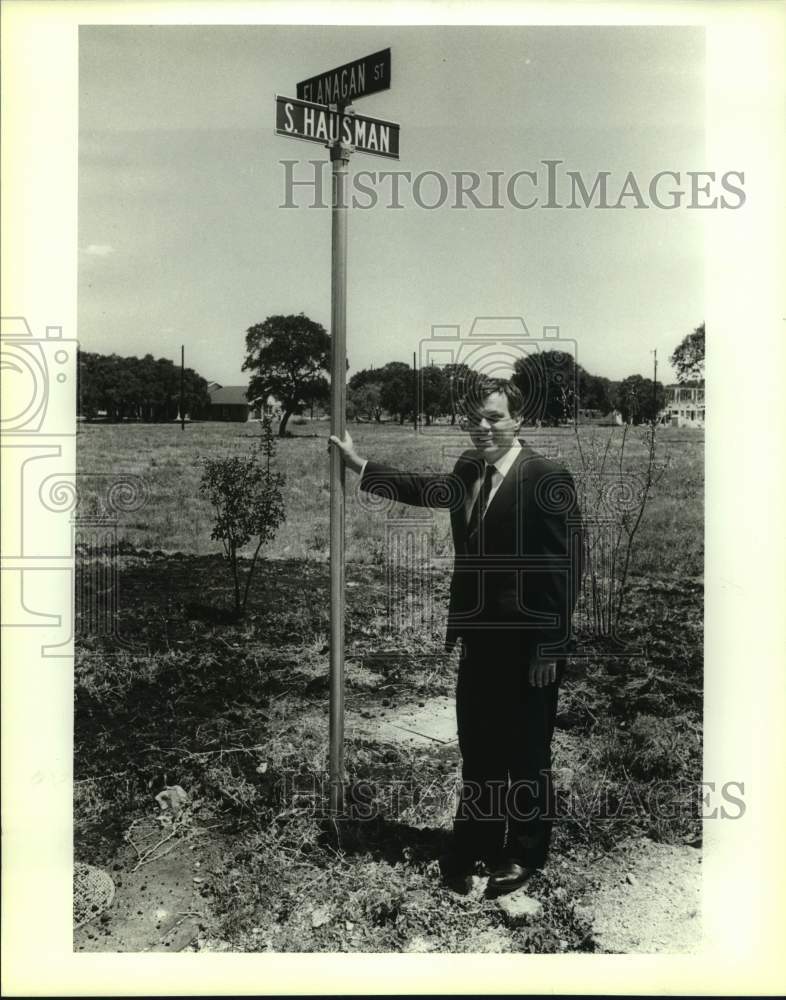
{"points": [[507, 877], [455, 865]]}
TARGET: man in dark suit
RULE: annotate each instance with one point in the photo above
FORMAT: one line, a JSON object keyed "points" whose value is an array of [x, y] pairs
{"points": [[516, 531]]}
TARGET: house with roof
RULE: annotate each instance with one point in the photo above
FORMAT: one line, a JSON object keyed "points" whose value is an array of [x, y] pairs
{"points": [[685, 405], [228, 402], [231, 402]]}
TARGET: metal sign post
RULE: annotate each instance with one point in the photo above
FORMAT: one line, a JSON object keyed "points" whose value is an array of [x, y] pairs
{"points": [[329, 122], [339, 156]]}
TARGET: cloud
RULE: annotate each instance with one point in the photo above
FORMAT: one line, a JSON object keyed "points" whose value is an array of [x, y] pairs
{"points": [[99, 249]]}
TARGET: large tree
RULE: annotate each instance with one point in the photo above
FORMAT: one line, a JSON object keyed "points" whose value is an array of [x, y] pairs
{"points": [[433, 389], [136, 388], [595, 392], [639, 400], [364, 376], [688, 357], [364, 392], [454, 385], [365, 400], [398, 389], [289, 356], [549, 382]]}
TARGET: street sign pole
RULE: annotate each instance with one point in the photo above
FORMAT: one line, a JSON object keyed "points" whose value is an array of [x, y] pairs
{"points": [[320, 114], [339, 157]]}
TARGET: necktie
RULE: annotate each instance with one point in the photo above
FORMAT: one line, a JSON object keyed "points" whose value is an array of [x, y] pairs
{"points": [[481, 501]]}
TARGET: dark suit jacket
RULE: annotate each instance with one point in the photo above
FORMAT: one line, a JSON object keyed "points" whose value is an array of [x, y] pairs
{"points": [[524, 570]]}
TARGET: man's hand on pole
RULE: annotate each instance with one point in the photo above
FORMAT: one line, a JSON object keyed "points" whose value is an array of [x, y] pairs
{"points": [[351, 458], [542, 672]]}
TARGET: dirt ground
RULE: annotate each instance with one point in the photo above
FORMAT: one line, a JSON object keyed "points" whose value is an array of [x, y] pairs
{"points": [[642, 897], [236, 712], [647, 898], [159, 906]]}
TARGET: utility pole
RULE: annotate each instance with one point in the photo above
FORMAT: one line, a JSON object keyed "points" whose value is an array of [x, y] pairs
{"points": [[655, 386], [415, 390], [182, 366]]}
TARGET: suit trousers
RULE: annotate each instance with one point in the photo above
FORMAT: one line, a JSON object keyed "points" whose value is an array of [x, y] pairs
{"points": [[505, 727]]}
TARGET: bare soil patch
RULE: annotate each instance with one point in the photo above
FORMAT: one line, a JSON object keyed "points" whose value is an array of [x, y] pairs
{"points": [[647, 898], [160, 906]]}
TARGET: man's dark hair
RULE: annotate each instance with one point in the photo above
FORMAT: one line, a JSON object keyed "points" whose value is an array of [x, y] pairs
{"points": [[477, 387]]}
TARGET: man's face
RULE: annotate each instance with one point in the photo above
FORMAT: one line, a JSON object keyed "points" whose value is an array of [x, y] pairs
{"points": [[491, 427]]}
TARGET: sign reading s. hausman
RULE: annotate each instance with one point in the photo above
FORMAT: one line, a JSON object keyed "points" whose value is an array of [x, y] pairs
{"points": [[316, 123], [346, 83]]}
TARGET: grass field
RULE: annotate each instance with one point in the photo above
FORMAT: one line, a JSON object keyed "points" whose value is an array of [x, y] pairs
{"points": [[175, 517], [236, 711]]}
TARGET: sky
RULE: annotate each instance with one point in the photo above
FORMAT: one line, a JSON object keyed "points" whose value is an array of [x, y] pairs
{"points": [[183, 238]]}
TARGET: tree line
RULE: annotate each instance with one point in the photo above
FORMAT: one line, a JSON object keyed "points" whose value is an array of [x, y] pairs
{"points": [[288, 357], [555, 388], [136, 388]]}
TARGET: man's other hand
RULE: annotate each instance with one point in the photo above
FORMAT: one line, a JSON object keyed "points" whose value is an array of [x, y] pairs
{"points": [[348, 453], [542, 673]]}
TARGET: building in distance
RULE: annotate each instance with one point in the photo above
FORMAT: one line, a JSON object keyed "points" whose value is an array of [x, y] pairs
{"points": [[685, 404], [231, 403], [228, 402]]}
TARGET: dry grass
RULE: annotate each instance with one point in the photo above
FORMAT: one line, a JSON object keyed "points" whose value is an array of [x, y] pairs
{"points": [[175, 518]]}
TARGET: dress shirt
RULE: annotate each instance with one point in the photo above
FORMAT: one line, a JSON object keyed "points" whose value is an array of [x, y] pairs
{"points": [[502, 467]]}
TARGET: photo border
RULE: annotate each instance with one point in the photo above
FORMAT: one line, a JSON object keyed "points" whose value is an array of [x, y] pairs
{"points": [[744, 699]]}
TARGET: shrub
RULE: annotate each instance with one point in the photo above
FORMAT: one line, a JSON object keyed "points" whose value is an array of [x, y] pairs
{"points": [[247, 502]]}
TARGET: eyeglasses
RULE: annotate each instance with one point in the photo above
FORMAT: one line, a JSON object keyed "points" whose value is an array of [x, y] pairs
{"points": [[475, 421]]}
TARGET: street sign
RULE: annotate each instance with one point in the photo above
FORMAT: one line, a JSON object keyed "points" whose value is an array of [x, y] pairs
{"points": [[316, 123], [346, 83], [319, 114]]}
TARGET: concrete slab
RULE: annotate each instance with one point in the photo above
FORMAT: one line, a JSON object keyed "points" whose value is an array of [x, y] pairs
{"points": [[434, 723]]}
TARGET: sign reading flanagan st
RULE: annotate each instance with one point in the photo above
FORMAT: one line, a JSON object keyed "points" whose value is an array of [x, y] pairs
{"points": [[316, 123], [346, 83]]}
